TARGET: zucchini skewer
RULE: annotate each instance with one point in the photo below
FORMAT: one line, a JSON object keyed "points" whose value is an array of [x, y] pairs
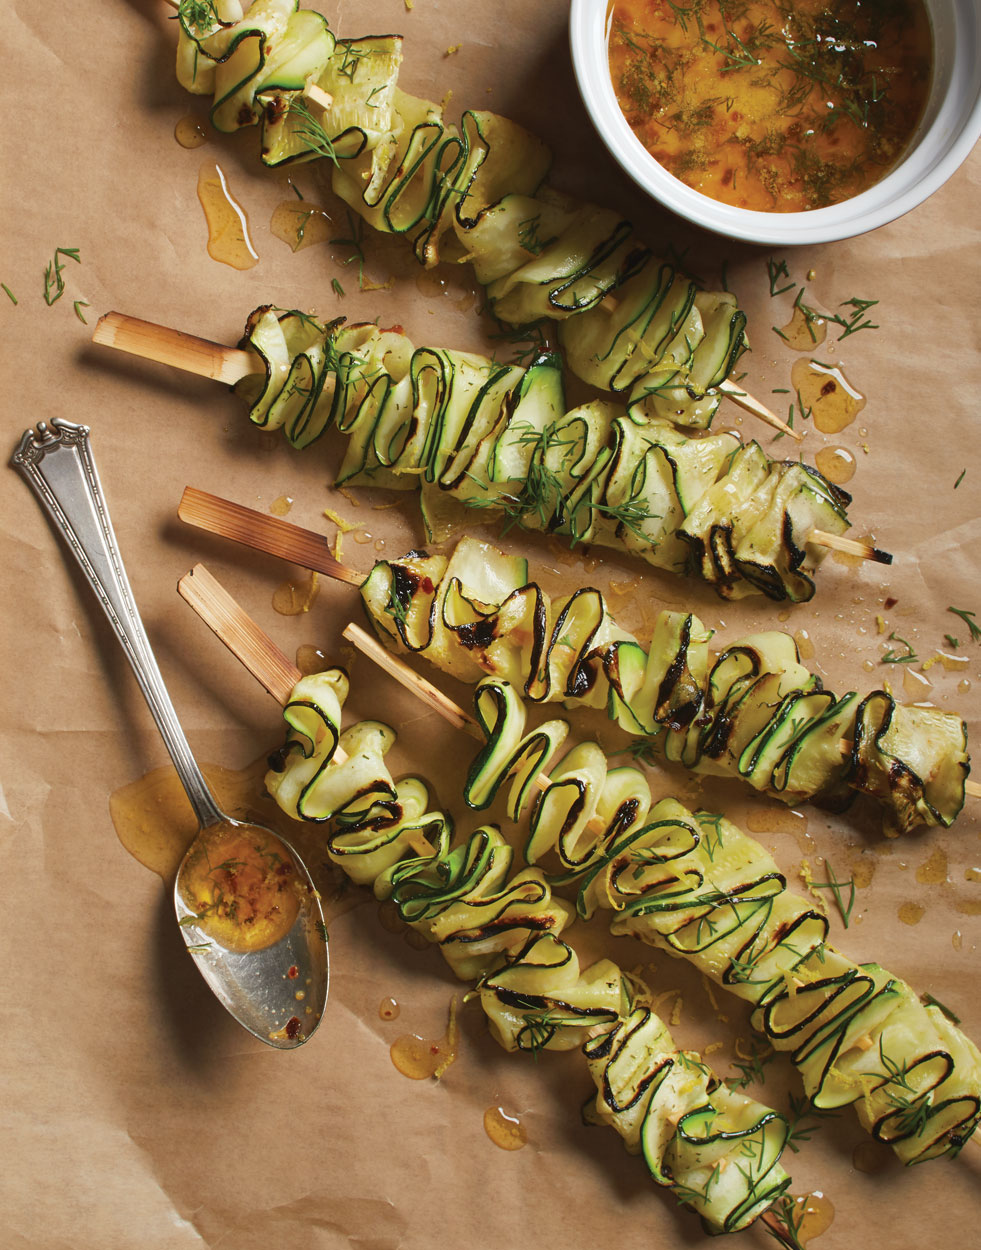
{"points": [[697, 887], [757, 713], [476, 437], [715, 1149], [473, 193]]}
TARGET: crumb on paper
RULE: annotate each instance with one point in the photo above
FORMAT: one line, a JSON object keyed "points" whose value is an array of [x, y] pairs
{"points": [[712, 1047], [453, 49]]}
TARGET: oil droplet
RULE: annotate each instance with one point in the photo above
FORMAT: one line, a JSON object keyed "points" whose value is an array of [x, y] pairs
{"points": [[934, 870], [380, 544], [911, 913], [957, 940], [388, 1009], [190, 133], [836, 463], [228, 227], [868, 666], [863, 870], [783, 616], [963, 686], [293, 597], [872, 1158], [972, 874], [362, 537], [804, 644], [280, 506], [300, 224], [969, 907], [419, 1057], [833, 401], [804, 332], [818, 1214], [915, 684], [310, 659], [504, 1130], [775, 820]]}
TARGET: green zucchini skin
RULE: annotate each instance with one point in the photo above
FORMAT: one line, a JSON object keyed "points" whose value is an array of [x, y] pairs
{"points": [[473, 193], [478, 438], [753, 711], [503, 930], [697, 887]]}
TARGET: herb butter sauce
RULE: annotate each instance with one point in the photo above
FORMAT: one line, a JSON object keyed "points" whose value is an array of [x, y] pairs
{"points": [[771, 105]]}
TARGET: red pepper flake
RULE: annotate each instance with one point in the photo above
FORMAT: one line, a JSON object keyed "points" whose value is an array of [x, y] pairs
{"points": [[293, 1027], [829, 388], [427, 585], [890, 603], [293, 972]]}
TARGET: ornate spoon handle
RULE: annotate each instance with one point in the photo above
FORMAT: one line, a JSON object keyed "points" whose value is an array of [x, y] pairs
{"points": [[56, 462]]}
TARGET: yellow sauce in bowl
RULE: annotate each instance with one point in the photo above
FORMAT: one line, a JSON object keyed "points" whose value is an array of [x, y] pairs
{"points": [[771, 105]]}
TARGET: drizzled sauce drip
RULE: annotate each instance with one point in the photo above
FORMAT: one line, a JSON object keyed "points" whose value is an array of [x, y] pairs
{"points": [[505, 1131], [190, 133], [228, 226], [281, 505], [818, 1214], [310, 659], [832, 400], [802, 332], [911, 913], [934, 870], [300, 224], [836, 463], [388, 1009], [420, 1057], [296, 595]]}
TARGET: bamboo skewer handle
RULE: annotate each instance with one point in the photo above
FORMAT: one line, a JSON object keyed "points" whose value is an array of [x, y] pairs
{"points": [[270, 534], [175, 348], [733, 391], [240, 634]]}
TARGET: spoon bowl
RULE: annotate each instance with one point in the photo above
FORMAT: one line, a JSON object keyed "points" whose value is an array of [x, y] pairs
{"points": [[245, 902], [251, 920]]}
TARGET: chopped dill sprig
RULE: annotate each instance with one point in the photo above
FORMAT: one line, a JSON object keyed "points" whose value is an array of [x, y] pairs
{"points": [[356, 243], [54, 283], [837, 888], [10, 295], [802, 1110], [79, 305], [198, 15], [789, 1216], [776, 270], [891, 657], [968, 618], [336, 287], [854, 323], [752, 1069], [310, 131], [956, 484]]}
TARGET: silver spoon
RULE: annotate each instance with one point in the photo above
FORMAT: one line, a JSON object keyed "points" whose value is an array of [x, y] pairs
{"points": [[245, 902]]}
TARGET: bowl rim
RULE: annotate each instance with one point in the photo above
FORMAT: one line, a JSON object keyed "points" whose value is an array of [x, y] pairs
{"points": [[937, 153]]}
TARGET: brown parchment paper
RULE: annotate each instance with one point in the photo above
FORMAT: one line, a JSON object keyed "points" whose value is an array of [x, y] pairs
{"points": [[136, 1113]]}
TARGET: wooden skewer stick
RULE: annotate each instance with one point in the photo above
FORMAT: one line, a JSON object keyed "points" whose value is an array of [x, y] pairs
{"points": [[240, 634], [270, 534], [973, 788], [852, 546], [201, 356], [175, 348]]}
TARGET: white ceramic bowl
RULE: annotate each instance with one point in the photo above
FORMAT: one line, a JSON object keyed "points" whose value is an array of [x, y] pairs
{"points": [[950, 127]]}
